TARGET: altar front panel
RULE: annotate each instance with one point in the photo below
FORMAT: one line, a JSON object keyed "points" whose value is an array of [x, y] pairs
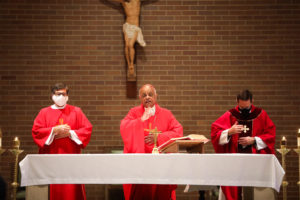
{"points": [[193, 169]]}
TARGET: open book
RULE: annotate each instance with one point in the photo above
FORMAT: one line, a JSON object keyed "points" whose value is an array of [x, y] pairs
{"points": [[191, 140]]}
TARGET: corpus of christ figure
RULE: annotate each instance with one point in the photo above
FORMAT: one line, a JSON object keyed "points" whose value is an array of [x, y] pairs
{"points": [[132, 33]]}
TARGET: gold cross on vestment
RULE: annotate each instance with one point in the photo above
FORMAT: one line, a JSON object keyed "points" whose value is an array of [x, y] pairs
{"points": [[155, 133], [61, 121], [245, 129]]}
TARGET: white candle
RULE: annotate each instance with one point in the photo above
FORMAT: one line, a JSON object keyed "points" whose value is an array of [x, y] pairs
{"points": [[283, 142], [0, 142], [16, 143], [298, 139]]}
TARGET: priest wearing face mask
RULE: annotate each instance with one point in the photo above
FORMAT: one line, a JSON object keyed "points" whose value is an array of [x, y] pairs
{"points": [[243, 129], [137, 140], [62, 129]]}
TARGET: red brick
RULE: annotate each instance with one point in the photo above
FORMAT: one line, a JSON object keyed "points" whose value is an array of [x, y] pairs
{"points": [[199, 54]]}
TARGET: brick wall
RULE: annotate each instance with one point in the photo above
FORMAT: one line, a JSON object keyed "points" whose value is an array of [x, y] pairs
{"points": [[199, 54]]}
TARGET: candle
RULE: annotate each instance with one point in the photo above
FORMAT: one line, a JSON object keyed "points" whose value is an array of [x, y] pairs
{"points": [[283, 142], [16, 143], [0, 138], [298, 139]]}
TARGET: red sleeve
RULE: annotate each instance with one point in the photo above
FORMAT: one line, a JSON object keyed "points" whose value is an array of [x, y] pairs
{"points": [[174, 129], [40, 131], [221, 124], [84, 128], [268, 134], [132, 132]]}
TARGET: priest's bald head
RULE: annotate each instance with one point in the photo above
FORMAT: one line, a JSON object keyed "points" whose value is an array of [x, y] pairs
{"points": [[147, 95]]}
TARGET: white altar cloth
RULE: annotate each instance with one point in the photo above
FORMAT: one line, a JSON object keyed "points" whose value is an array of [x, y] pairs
{"points": [[193, 169]]}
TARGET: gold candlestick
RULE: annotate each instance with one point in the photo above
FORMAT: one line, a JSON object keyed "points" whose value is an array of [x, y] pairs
{"points": [[283, 151], [298, 152], [155, 132], [2, 151], [16, 151]]}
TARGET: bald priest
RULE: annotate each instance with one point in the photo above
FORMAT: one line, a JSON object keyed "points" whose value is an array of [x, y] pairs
{"points": [[137, 140]]}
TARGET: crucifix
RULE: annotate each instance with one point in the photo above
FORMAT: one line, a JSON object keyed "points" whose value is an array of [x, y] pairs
{"points": [[132, 34], [155, 132], [245, 129]]}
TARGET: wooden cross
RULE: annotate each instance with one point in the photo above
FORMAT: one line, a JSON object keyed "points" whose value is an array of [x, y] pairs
{"points": [[155, 132], [245, 129]]}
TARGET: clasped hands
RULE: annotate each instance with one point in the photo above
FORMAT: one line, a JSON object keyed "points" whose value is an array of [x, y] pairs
{"points": [[61, 131], [237, 129]]}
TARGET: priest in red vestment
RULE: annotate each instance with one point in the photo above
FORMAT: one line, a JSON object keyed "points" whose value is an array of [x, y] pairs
{"points": [[62, 129], [243, 129], [137, 140]]}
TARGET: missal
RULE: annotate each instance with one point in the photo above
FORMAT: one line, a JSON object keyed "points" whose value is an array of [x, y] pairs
{"points": [[192, 143]]}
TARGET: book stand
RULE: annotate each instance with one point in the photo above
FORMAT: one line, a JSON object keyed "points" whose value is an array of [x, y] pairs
{"points": [[184, 146]]}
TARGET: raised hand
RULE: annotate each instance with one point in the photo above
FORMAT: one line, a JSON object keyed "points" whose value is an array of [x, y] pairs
{"points": [[147, 114], [235, 129]]}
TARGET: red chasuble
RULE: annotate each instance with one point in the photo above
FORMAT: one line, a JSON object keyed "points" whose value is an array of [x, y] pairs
{"points": [[132, 131], [43, 124], [258, 124]]}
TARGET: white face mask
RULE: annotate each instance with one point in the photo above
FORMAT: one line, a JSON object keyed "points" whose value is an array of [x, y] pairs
{"points": [[60, 100]]}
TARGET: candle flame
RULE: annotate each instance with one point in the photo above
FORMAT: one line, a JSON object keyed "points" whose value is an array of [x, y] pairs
{"points": [[16, 143]]}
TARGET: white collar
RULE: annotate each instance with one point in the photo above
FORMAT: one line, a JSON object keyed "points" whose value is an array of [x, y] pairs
{"points": [[54, 106]]}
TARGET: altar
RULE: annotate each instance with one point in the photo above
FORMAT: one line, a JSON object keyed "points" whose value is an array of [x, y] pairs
{"points": [[182, 169]]}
